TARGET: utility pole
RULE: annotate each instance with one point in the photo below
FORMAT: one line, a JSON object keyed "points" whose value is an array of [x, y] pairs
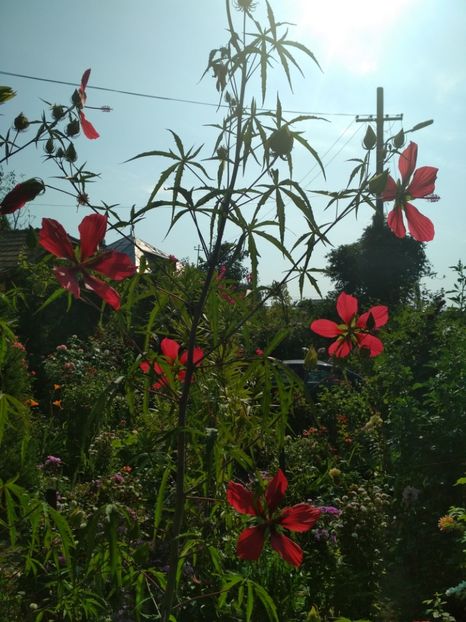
{"points": [[198, 248], [379, 119]]}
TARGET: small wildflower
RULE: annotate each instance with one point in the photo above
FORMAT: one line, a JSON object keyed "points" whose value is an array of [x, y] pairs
{"points": [[126, 469], [32, 403], [446, 523], [118, 478], [53, 461], [330, 509], [57, 403], [334, 472], [56, 387]]}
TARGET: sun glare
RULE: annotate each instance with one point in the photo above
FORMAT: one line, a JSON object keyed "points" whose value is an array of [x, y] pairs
{"points": [[352, 34]]}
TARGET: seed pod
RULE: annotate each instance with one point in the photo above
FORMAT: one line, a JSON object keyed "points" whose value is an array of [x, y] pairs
{"points": [[77, 99], [6, 93], [21, 122], [72, 128], [60, 153], [281, 141], [70, 153], [222, 153], [58, 112]]}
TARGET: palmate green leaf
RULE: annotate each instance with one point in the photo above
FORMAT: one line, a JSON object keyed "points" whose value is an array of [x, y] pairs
{"points": [[249, 602], [311, 150], [230, 582], [155, 152], [302, 48]]}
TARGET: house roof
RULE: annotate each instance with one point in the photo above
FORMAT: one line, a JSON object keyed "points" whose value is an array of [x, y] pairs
{"points": [[12, 245], [135, 248]]}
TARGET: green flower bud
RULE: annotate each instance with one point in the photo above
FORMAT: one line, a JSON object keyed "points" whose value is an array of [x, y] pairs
{"points": [[21, 122], [72, 128], [281, 141], [370, 139], [60, 153], [49, 147], [70, 153], [58, 112], [399, 140]]}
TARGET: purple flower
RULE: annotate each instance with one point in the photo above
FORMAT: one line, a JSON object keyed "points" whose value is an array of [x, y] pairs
{"points": [[61, 348], [52, 461], [118, 478], [330, 509]]}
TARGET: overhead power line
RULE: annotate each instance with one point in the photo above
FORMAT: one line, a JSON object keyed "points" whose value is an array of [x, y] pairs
{"points": [[164, 97]]}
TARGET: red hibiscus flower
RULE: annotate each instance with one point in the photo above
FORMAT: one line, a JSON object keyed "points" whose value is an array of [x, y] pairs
{"points": [[300, 517], [87, 127], [402, 192], [172, 365], [354, 330], [86, 258], [20, 195]]}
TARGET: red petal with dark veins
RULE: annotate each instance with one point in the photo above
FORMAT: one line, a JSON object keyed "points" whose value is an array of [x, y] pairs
{"points": [[170, 348], [55, 240], [395, 222], [250, 543], [420, 227], [373, 344], [379, 314], [407, 162], [115, 265], [423, 182], [300, 517], [242, 499], [325, 328], [347, 307], [91, 231], [389, 194], [103, 290], [67, 279], [289, 550], [340, 348], [88, 129], [276, 489]]}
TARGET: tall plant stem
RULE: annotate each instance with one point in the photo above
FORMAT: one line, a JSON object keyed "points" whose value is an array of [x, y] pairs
{"points": [[182, 437]]}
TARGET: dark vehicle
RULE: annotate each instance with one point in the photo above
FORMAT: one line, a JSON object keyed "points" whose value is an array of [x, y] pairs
{"points": [[322, 375]]}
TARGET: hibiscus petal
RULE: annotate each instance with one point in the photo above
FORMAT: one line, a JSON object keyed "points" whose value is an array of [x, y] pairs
{"points": [[20, 195], [55, 240], [407, 162], [88, 129], [276, 489], [423, 182], [389, 194], [420, 227], [85, 79], [289, 550], [347, 307], [395, 222], [170, 348], [340, 348], [241, 499], [68, 279], [373, 344], [115, 265], [103, 290], [91, 231], [379, 315], [300, 517], [250, 543], [145, 366], [325, 328]]}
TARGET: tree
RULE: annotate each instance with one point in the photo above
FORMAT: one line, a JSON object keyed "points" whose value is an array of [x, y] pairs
{"points": [[379, 267]]}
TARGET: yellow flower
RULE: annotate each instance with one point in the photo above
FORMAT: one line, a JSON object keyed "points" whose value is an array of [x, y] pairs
{"points": [[56, 387], [57, 403]]}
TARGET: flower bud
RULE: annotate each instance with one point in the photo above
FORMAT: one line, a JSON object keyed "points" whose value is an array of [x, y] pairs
{"points": [[281, 141], [399, 140], [77, 99], [21, 122], [49, 147], [58, 112], [6, 93], [70, 153], [72, 128], [370, 139], [60, 153], [334, 472]]}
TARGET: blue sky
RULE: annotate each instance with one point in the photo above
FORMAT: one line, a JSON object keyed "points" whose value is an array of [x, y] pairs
{"points": [[415, 49]]}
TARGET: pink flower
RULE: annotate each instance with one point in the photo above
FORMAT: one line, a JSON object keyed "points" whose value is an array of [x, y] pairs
{"points": [[420, 186], [86, 258], [20, 195], [87, 127], [172, 364], [300, 517], [353, 331]]}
